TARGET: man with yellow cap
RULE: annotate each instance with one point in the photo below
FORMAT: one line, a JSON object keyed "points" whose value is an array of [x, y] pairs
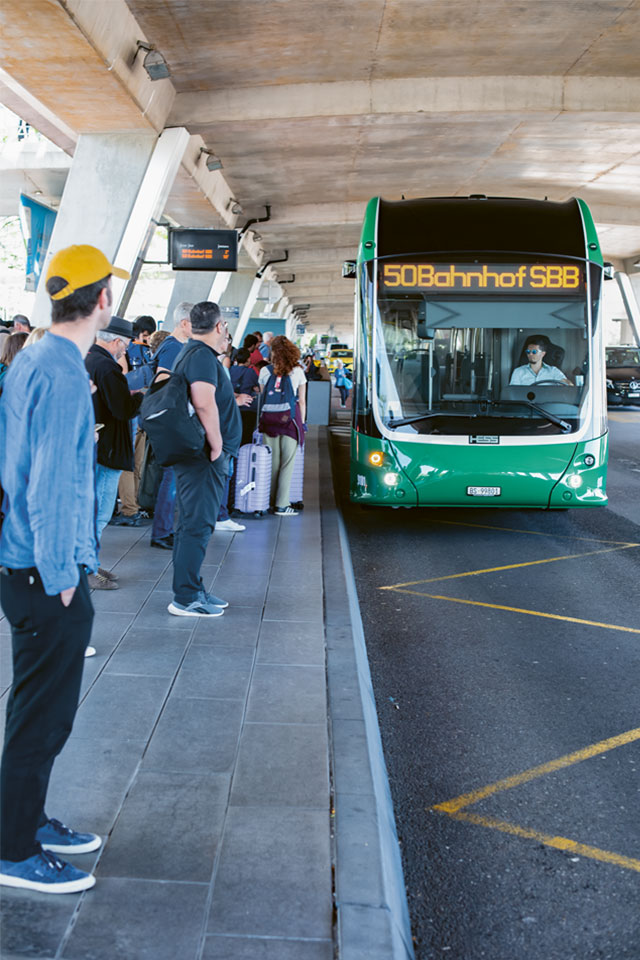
{"points": [[47, 545]]}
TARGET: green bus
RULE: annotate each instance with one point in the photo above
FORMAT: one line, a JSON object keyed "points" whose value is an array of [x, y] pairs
{"points": [[479, 355]]}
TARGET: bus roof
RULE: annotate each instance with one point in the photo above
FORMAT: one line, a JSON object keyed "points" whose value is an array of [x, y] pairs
{"points": [[480, 224]]}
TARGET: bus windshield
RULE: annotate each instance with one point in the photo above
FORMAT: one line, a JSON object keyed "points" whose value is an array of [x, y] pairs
{"points": [[482, 348]]}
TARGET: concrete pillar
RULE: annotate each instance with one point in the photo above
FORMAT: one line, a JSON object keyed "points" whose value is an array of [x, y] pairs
{"points": [[237, 290], [629, 285], [190, 285], [245, 313], [117, 184]]}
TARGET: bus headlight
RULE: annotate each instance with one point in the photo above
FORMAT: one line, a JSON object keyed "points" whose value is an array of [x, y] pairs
{"points": [[574, 481], [391, 479]]}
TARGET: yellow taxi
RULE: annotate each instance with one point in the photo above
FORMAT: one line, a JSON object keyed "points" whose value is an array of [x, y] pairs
{"points": [[339, 351]]}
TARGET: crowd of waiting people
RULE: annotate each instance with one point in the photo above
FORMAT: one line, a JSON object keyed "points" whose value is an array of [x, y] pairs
{"points": [[70, 438]]}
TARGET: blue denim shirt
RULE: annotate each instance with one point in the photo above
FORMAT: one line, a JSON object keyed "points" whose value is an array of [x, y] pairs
{"points": [[47, 464]]}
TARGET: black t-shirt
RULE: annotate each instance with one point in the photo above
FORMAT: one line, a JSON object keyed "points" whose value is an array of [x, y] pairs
{"points": [[199, 362]]}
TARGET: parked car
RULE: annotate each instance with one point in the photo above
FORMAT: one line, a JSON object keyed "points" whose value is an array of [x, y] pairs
{"points": [[623, 375], [340, 351]]}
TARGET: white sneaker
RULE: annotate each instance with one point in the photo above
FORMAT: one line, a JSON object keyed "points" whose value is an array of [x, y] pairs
{"points": [[90, 652], [230, 525]]}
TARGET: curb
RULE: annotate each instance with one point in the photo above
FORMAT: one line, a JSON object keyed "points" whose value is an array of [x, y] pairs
{"points": [[372, 916]]}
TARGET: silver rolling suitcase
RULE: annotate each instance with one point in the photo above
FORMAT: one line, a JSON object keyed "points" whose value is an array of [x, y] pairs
{"points": [[253, 478]]}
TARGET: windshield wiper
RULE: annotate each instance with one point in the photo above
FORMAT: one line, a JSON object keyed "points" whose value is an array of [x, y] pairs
{"points": [[425, 416], [551, 417]]}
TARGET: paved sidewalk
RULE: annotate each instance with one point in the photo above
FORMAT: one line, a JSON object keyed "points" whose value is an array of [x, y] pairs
{"points": [[201, 753]]}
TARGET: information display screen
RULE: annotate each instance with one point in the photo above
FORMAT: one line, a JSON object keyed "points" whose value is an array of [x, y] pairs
{"points": [[192, 249], [486, 278]]}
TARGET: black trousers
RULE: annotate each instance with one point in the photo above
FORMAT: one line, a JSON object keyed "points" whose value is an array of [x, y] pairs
{"points": [[199, 488], [48, 641]]}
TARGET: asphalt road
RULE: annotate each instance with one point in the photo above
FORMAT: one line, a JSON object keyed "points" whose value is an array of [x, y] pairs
{"points": [[470, 693]]}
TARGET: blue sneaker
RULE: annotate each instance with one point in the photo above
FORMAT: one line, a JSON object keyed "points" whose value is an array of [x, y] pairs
{"points": [[197, 608], [57, 838], [216, 601], [45, 873]]}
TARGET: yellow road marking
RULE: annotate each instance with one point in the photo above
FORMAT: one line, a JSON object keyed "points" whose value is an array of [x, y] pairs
{"points": [[510, 566], [531, 613], [558, 843], [531, 533], [630, 417], [467, 799]]}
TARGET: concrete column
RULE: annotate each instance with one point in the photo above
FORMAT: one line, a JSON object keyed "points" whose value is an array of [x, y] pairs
{"points": [[629, 285], [237, 290], [190, 285], [245, 313], [117, 183]]}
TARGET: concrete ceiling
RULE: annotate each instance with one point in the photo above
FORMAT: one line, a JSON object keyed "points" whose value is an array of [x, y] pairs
{"points": [[314, 108]]}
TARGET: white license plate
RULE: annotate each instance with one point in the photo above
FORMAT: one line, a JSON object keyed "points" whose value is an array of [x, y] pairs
{"points": [[484, 491], [634, 395]]}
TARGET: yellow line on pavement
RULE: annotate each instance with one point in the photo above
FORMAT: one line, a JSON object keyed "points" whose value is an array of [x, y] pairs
{"points": [[630, 417], [558, 843], [467, 799], [510, 566], [532, 533], [531, 613]]}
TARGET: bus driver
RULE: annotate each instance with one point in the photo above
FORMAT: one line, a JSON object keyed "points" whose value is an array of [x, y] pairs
{"points": [[535, 371]]}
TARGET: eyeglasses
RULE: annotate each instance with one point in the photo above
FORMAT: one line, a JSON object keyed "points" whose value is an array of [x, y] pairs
{"points": [[533, 351]]}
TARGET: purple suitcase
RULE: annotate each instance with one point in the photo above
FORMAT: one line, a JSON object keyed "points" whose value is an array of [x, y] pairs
{"points": [[253, 478]]}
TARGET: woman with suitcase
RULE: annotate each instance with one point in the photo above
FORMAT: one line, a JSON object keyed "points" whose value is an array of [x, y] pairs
{"points": [[283, 412]]}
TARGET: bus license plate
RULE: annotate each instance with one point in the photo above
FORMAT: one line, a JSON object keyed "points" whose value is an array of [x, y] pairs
{"points": [[484, 491]]}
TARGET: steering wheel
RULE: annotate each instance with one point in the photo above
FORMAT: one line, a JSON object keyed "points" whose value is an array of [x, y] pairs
{"points": [[549, 383]]}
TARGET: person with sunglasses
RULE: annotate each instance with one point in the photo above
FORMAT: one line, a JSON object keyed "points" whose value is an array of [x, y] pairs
{"points": [[535, 370]]}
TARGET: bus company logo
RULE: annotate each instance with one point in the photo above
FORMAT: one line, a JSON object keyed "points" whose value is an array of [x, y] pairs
{"points": [[481, 439], [473, 278]]}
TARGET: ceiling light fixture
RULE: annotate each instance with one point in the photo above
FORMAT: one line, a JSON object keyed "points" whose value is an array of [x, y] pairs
{"points": [[213, 162], [154, 63], [234, 205]]}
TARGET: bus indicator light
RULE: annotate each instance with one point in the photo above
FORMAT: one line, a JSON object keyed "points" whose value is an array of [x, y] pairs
{"points": [[376, 459]]}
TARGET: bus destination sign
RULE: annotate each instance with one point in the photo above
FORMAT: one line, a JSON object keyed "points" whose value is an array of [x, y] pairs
{"points": [[192, 249], [540, 278]]}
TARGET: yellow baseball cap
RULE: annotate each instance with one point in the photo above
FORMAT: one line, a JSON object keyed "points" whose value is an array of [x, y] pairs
{"points": [[81, 265]]}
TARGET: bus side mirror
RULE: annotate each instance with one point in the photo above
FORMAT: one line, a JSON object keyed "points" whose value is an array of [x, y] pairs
{"points": [[349, 270], [609, 271]]}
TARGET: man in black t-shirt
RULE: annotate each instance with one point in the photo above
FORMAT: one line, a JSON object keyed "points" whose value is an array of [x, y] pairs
{"points": [[200, 482]]}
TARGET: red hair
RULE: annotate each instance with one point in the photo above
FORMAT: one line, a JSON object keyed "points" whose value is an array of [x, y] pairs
{"points": [[285, 356]]}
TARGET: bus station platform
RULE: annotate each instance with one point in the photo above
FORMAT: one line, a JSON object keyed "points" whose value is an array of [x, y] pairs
{"points": [[233, 767]]}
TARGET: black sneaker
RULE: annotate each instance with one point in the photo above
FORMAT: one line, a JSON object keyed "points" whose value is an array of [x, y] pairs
{"points": [[139, 519], [163, 543]]}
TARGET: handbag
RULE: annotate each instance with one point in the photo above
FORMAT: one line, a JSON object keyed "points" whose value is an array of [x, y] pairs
{"points": [[150, 480]]}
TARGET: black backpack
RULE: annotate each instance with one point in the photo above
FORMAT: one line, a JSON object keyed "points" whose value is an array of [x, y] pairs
{"points": [[169, 420]]}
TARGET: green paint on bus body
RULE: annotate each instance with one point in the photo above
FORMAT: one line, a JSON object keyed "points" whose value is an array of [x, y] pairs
{"points": [[367, 248], [438, 475], [594, 253]]}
